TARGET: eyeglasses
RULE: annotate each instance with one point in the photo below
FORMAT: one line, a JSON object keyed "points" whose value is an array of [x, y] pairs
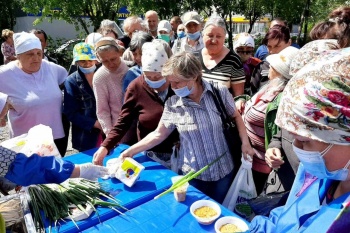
{"points": [[245, 52]]}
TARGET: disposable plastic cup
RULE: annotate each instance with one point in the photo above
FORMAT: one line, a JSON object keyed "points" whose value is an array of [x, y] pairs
{"points": [[180, 192]]}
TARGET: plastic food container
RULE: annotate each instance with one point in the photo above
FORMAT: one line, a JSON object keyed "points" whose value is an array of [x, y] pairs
{"points": [[129, 171], [180, 192], [205, 203], [239, 223]]}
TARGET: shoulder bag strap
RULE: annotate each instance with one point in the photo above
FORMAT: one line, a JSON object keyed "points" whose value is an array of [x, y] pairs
{"points": [[226, 119]]}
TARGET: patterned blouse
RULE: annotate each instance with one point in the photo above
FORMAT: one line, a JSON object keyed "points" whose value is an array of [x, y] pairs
{"points": [[8, 51], [201, 134]]}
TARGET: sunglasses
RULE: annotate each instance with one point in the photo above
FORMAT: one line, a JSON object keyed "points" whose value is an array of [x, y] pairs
{"points": [[245, 52]]}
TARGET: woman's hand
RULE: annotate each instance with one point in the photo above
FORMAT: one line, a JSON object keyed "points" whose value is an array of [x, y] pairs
{"points": [[240, 104], [247, 151], [126, 153], [273, 158], [99, 155]]}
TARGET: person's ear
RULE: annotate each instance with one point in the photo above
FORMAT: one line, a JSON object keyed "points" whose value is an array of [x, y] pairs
{"points": [[290, 42]]}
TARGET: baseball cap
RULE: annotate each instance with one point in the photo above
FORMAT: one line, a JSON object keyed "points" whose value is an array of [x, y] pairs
{"points": [[164, 25], [191, 16]]}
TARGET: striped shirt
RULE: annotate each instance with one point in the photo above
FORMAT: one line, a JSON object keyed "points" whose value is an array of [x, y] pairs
{"points": [[228, 71], [254, 119], [201, 133]]}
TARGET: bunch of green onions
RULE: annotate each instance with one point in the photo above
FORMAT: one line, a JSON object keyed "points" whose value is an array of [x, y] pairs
{"points": [[189, 176], [55, 203]]}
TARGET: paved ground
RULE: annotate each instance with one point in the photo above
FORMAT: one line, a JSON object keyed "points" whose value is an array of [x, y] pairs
{"points": [[4, 135]]}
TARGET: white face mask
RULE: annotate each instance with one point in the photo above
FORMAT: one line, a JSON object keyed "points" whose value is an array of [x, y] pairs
{"points": [[314, 164]]}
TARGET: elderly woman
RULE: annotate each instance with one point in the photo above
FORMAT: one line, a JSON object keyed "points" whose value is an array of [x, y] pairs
{"points": [[26, 170], [34, 98], [192, 112], [135, 46], [7, 47], [315, 108], [108, 84], [259, 112], [79, 100], [144, 102], [218, 62]]}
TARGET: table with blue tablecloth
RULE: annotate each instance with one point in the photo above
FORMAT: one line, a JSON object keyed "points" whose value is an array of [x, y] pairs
{"points": [[152, 181], [164, 214]]}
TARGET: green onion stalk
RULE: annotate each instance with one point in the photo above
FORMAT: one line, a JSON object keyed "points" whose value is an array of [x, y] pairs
{"points": [[189, 176], [54, 204]]}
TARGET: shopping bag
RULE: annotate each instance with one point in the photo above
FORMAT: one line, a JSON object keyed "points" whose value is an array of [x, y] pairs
{"points": [[242, 189], [39, 140], [273, 195]]}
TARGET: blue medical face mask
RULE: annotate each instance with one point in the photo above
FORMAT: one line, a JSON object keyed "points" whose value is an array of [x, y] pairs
{"points": [[194, 36], [87, 70], [181, 34], [165, 37], [183, 91], [155, 84], [314, 164]]}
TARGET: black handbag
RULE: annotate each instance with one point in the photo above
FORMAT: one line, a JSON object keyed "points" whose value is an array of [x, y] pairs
{"points": [[230, 130]]}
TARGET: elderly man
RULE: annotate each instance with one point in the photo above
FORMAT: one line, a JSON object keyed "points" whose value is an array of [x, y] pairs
{"points": [[131, 25], [152, 20], [108, 83]]}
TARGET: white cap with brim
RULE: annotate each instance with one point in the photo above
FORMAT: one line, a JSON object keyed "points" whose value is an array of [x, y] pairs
{"points": [[3, 99], [25, 41], [164, 25]]}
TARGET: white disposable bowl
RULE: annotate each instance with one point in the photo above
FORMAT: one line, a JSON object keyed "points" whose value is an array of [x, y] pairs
{"points": [[211, 204], [233, 220]]}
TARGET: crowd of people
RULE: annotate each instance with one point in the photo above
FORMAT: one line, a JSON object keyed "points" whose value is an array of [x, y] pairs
{"points": [[151, 87]]}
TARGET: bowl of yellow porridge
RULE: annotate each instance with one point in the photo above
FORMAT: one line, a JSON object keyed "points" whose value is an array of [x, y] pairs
{"points": [[205, 211], [230, 224]]}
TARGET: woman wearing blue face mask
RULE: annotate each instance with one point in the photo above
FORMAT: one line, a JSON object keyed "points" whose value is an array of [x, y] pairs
{"points": [[315, 108], [79, 100], [144, 102], [193, 41], [192, 112]]}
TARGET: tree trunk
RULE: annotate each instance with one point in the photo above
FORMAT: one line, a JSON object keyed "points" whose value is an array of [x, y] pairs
{"points": [[307, 13], [300, 28]]}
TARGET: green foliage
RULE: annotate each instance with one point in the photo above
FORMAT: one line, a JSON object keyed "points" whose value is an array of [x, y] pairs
{"points": [[72, 10]]}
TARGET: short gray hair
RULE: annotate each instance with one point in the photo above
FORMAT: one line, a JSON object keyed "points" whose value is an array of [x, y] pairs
{"points": [[184, 64], [217, 22], [138, 39], [131, 20]]}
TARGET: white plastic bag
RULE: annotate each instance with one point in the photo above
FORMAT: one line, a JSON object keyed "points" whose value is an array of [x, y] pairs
{"points": [[40, 141], [242, 189]]}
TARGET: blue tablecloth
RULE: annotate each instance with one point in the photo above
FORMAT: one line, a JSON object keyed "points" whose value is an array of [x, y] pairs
{"points": [[152, 181], [162, 215]]}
